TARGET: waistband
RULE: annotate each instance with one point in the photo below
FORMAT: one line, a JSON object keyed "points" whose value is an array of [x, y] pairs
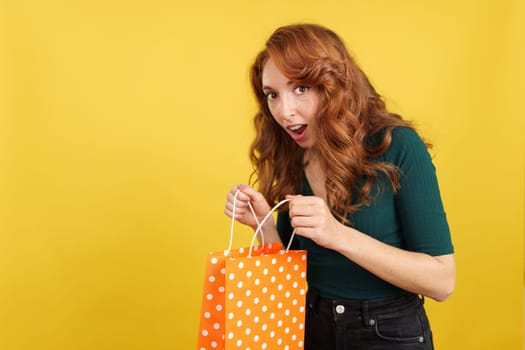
{"points": [[372, 306]]}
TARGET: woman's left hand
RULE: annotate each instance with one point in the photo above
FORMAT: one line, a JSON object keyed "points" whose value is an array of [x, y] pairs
{"points": [[312, 218]]}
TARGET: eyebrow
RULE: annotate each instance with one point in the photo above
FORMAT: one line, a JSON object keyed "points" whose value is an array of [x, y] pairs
{"points": [[290, 82]]}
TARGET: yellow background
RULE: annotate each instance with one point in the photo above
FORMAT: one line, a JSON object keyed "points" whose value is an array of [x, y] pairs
{"points": [[124, 123]]}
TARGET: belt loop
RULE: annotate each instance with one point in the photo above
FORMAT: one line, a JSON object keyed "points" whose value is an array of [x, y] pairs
{"points": [[364, 313], [313, 301]]}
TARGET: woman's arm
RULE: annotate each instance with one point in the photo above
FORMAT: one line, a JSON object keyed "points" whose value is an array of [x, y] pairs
{"points": [[432, 276]]}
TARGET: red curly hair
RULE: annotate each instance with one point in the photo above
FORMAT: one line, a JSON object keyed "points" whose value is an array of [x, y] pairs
{"points": [[350, 112]]}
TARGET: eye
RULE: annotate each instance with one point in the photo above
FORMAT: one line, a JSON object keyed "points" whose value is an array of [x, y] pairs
{"points": [[301, 89], [270, 95]]}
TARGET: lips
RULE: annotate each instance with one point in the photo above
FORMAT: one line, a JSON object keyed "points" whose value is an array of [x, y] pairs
{"points": [[297, 131]]}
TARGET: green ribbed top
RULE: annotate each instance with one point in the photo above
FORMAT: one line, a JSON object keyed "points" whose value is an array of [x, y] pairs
{"points": [[412, 219]]}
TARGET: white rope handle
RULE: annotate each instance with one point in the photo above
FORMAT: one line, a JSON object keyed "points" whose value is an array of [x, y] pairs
{"points": [[233, 222], [259, 227]]}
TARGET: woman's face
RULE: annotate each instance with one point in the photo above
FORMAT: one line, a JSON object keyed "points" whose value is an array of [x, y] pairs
{"points": [[293, 106]]}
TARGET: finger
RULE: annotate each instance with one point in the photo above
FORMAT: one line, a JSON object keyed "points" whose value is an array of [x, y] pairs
{"points": [[300, 209], [305, 232], [301, 222], [241, 201]]}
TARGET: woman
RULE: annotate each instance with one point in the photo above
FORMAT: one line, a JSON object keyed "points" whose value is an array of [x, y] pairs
{"points": [[364, 198]]}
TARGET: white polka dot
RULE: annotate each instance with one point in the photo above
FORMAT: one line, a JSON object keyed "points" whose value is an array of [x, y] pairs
{"points": [[257, 263], [272, 334], [256, 319], [279, 341], [301, 309], [265, 271], [249, 273], [248, 312], [214, 344], [231, 296], [286, 347], [279, 323], [239, 323], [218, 307], [231, 276], [207, 315], [295, 284], [263, 346], [296, 267], [221, 289], [273, 279], [204, 332], [288, 277], [274, 261], [303, 258], [223, 271], [281, 269], [287, 294], [248, 292], [272, 297], [265, 290], [287, 312], [256, 338], [241, 265], [294, 337], [211, 279], [272, 316], [289, 259], [230, 335], [287, 330], [264, 327], [301, 326], [294, 319], [239, 343], [209, 296], [256, 300], [214, 261], [248, 331], [280, 287], [264, 308], [300, 344], [280, 305], [231, 315], [294, 302], [241, 250], [303, 274], [257, 281], [216, 326], [302, 292], [239, 284], [239, 303]]}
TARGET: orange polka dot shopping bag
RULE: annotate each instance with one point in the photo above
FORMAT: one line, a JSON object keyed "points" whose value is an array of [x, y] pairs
{"points": [[254, 297]]}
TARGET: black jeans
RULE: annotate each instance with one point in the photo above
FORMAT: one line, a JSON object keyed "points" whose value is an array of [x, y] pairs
{"points": [[397, 323]]}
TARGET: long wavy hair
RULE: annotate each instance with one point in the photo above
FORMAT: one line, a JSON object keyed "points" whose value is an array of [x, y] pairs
{"points": [[350, 112]]}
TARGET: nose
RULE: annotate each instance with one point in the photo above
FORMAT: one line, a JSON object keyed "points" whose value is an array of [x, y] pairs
{"points": [[288, 106]]}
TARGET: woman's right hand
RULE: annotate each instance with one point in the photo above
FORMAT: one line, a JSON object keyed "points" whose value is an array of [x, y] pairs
{"points": [[243, 213]]}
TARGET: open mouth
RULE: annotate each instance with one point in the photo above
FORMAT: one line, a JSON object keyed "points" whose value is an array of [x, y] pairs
{"points": [[297, 129]]}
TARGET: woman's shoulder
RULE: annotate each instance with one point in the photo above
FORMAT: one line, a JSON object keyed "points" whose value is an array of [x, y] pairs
{"points": [[406, 143]]}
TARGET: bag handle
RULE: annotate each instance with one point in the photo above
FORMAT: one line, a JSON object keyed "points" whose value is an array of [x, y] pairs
{"points": [[233, 222], [259, 228]]}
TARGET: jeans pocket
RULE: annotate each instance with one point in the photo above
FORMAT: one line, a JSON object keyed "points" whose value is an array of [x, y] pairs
{"points": [[401, 327]]}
